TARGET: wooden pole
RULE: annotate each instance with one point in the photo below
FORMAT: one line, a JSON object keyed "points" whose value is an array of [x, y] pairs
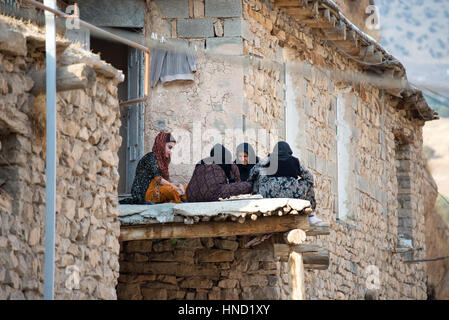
{"points": [[313, 257], [296, 236], [131, 102], [296, 270], [76, 76], [147, 74], [213, 228]]}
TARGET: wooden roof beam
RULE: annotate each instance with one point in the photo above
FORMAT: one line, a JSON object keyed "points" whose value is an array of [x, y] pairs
{"points": [[323, 229], [370, 54], [337, 33], [298, 13], [214, 228], [350, 45], [367, 51], [313, 256], [290, 3], [318, 23], [377, 57]]}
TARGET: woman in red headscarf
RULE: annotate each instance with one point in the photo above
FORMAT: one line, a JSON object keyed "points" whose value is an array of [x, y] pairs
{"points": [[152, 180]]}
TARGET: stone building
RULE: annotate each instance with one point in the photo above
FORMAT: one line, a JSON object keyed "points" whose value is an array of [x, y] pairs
{"points": [[368, 175], [87, 228], [295, 70]]}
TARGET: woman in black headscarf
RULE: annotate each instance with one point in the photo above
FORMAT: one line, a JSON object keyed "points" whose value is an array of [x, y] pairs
{"points": [[281, 175], [246, 159], [216, 177]]}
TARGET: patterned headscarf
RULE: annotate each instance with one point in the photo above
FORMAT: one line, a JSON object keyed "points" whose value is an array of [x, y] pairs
{"points": [[159, 150]]}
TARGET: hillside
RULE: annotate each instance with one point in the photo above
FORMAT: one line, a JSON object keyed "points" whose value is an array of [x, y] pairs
{"points": [[436, 142]]}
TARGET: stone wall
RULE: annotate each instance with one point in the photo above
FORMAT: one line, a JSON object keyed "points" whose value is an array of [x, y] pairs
{"points": [[202, 269], [286, 69], [216, 100], [87, 228], [363, 237]]}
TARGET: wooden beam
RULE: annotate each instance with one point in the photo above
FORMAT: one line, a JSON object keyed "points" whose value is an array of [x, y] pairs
{"points": [[76, 76], [348, 46], [296, 236], [288, 3], [316, 266], [333, 20], [389, 72], [326, 14], [370, 54], [315, 8], [281, 251], [298, 12], [214, 229], [306, 248], [322, 229], [367, 51], [320, 19], [313, 256], [317, 257], [351, 35], [301, 10], [337, 33], [377, 57], [296, 272]]}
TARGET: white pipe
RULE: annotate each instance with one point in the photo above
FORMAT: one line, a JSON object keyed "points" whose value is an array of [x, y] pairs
{"points": [[89, 26], [50, 197]]}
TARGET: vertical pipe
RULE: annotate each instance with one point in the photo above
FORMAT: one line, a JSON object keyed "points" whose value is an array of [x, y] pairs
{"points": [[147, 75], [50, 197]]}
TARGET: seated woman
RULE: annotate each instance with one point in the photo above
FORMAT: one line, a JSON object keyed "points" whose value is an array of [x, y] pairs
{"points": [[246, 160], [290, 180], [216, 177], [152, 181]]}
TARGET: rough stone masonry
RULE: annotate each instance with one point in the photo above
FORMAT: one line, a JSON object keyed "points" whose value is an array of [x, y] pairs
{"points": [[201, 269], [365, 236], [226, 95], [87, 229]]}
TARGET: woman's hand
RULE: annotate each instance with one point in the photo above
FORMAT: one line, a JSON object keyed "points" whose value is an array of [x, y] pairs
{"points": [[180, 189]]}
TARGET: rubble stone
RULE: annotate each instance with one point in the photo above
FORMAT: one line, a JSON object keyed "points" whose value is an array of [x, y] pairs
{"points": [[80, 237]]}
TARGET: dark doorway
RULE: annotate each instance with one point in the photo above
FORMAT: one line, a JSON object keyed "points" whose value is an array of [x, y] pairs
{"points": [[130, 61]]}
